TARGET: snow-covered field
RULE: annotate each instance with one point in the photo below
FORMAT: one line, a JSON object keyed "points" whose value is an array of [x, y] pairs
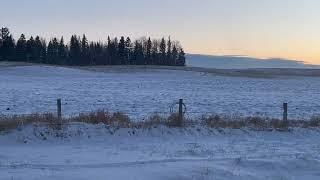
{"points": [[95, 152], [140, 92]]}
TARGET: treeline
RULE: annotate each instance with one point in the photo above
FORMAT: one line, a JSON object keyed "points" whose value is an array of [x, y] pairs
{"points": [[79, 51]]}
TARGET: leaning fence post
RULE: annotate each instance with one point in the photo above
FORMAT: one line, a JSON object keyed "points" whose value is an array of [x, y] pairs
{"points": [[285, 112], [180, 111], [59, 109]]}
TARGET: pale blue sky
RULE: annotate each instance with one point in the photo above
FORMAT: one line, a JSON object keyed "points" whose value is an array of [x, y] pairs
{"points": [[259, 28]]}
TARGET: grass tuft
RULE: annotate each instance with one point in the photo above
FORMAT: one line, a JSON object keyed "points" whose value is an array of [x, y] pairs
{"points": [[121, 120]]}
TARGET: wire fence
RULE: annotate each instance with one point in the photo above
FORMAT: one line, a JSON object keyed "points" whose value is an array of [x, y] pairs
{"points": [[141, 111]]}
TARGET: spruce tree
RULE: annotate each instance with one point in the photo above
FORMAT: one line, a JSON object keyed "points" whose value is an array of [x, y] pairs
{"points": [[163, 53], [174, 56], [30, 49], [21, 50], [138, 57], [37, 50], [181, 58], [91, 53], [75, 51], [122, 51], [43, 51], [113, 52], [169, 55], [8, 45], [84, 51], [108, 52], [128, 50], [52, 53], [62, 52], [99, 53], [80, 52], [148, 51], [154, 53]]}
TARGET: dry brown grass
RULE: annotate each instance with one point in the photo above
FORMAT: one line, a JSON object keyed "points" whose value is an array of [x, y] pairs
{"points": [[156, 119], [258, 123], [314, 122], [121, 120], [117, 119], [174, 121], [17, 121]]}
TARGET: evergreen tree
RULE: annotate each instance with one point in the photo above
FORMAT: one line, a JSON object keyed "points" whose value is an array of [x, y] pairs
{"points": [[49, 58], [38, 50], [21, 49], [128, 50], [84, 51], [163, 53], [52, 52], [148, 52], [175, 55], [8, 45], [30, 49], [43, 51], [138, 57], [62, 52], [108, 52], [75, 51], [154, 52], [113, 52], [92, 56], [122, 51], [144, 51], [99, 53], [169, 55], [181, 58]]}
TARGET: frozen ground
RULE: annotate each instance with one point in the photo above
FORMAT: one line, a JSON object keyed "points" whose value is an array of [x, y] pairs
{"points": [[85, 152], [94, 152], [140, 92]]}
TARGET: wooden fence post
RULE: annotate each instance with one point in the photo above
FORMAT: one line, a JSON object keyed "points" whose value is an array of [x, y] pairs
{"points": [[180, 111], [59, 109], [285, 112]]}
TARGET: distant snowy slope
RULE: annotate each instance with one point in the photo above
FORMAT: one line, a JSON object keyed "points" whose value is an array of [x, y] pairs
{"points": [[141, 92], [242, 62]]}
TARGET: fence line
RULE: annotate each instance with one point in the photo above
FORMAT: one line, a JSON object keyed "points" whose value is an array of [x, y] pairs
{"points": [[285, 111], [181, 111]]}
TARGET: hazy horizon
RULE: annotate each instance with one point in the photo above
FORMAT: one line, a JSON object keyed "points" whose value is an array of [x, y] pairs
{"points": [[285, 29]]}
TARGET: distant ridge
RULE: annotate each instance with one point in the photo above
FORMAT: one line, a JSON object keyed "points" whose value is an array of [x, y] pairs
{"points": [[243, 62]]}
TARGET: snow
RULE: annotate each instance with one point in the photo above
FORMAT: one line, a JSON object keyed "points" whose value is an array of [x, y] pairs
{"points": [[93, 152], [243, 62], [83, 151], [139, 93]]}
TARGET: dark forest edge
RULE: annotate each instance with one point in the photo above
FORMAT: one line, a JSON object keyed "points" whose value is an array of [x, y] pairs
{"points": [[81, 52]]}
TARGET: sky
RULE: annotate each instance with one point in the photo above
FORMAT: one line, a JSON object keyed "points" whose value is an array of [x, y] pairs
{"points": [[287, 29]]}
